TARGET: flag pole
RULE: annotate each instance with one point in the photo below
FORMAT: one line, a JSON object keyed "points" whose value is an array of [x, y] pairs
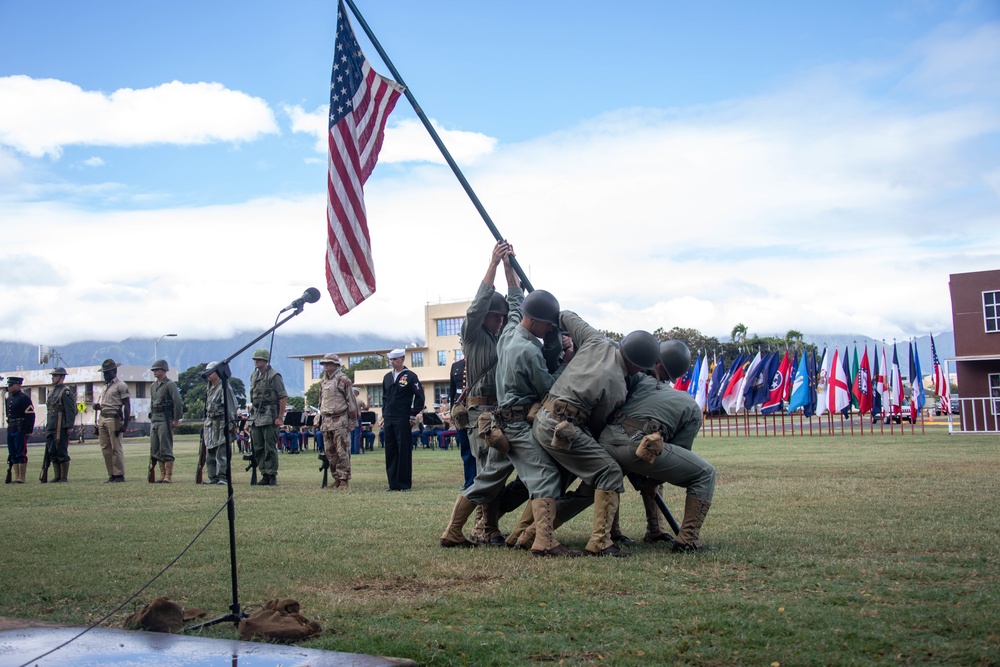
{"points": [[437, 141]]}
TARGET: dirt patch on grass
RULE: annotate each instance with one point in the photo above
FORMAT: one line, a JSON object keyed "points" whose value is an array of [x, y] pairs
{"points": [[7, 623]]}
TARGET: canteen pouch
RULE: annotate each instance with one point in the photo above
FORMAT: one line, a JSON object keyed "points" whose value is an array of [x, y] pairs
{"points": [[562, 437], [535, 407], [460, 415], [650, 447], [493, 437]]}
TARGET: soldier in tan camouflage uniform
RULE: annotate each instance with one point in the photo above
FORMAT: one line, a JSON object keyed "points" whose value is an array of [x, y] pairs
{"points": [[165, 413], [338, 411]]}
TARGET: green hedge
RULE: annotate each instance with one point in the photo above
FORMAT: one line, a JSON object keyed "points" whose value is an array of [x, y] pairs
{"points": [[188, 428]]}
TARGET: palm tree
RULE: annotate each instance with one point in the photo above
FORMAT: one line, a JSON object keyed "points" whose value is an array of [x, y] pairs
{"points": [[739, 334], [794, 339]]}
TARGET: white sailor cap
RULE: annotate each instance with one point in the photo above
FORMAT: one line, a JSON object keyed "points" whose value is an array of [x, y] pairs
{"points": [[398, 353]]}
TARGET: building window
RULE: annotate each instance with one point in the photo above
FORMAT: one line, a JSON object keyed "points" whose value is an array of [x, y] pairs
{"points": [[441, 393], [88, 393], [451, 326], [991, 311], [41, 395], [140, 389], [317, 369], [459, 354], [358, 358], [442, 358], [417, 359], [374, 395]]}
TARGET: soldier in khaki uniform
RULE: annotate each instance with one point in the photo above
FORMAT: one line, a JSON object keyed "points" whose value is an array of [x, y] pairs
{"points": [[338, 413], [165, 413], [116, 410], [578, 405], [60, 406], [269, 398]]}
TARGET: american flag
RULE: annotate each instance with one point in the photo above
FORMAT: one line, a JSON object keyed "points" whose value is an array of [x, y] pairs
{"points": [[360, 102], [942, 382]]}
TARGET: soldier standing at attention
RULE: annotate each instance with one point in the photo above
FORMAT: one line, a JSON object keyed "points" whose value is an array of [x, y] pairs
{"points": [[60, 414], [338, 413], [20, 423], [403, 401], [165, 413], [115, 410], [216, 420], [268, 395]]}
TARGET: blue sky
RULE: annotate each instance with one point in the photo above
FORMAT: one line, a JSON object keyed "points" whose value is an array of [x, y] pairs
{"points": [[653, 163]]}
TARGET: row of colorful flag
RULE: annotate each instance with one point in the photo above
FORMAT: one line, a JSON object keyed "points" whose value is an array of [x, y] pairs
{"points": [[769, 381]]}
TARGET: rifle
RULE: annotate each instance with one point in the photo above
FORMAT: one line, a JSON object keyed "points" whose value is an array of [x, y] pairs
{"points": [[638, 483], [253, 465], [324, 468], [151, 475], [199, 477], [10, 465], [47, 460]]}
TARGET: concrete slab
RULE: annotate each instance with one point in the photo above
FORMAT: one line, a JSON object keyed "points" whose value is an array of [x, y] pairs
{"points": [[107, 646]]}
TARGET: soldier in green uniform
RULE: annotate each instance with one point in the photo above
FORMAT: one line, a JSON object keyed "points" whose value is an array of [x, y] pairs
{"points": [[214, 429], [578, 405], [60, 406], [268, 395], [115, 408], [480, 332], [165, 413]]}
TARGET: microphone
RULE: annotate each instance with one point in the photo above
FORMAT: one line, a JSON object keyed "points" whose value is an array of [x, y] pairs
{"points": [[311, 295]]}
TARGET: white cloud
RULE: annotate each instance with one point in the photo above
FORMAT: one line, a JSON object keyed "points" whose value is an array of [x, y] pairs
{"points": [[405, 141], [822, 207], [93, 162], [41, 116]]}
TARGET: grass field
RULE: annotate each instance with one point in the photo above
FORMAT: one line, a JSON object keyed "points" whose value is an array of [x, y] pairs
{"points": [[832, 551]]}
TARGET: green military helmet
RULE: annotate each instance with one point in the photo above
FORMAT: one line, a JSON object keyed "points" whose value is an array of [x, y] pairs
{"points": [[58, 370], [262, 354], [640, 348], [160, 365], [541, 305], [676, 359], [498, 304]]}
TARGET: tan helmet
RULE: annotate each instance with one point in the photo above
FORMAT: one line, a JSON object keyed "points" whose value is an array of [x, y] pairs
{"points": [[160, 365], [262, 354], [331, 359], [108, 365]]}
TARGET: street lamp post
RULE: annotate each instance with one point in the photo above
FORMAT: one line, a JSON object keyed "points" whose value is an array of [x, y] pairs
{"points": [[157, 342]]}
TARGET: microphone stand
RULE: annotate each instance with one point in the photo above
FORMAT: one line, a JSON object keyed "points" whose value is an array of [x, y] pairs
{"points": [[236, 614]]}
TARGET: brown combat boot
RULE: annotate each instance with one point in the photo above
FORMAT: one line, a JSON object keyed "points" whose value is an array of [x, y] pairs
{"points": [[168, 472], [18, 472], [545, 544], [57, 469], [453, 536], [695, 511], [600, 544], [527, 518], [491, 525], [478, 534], [163, 471], [655, 530], [617, 535], [64, 477], [341, 485]]}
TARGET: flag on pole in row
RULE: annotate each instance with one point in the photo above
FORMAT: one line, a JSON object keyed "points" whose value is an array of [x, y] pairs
{"points": [[704, 378], [917, 398], [942, 383], [895, 385], [734, 391], [863, 384], [713, 401], [800, 386], [878, 383], [839, 392], [779, 371], [360, 103], [823, 384], [854, 375], [692, 387]]}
